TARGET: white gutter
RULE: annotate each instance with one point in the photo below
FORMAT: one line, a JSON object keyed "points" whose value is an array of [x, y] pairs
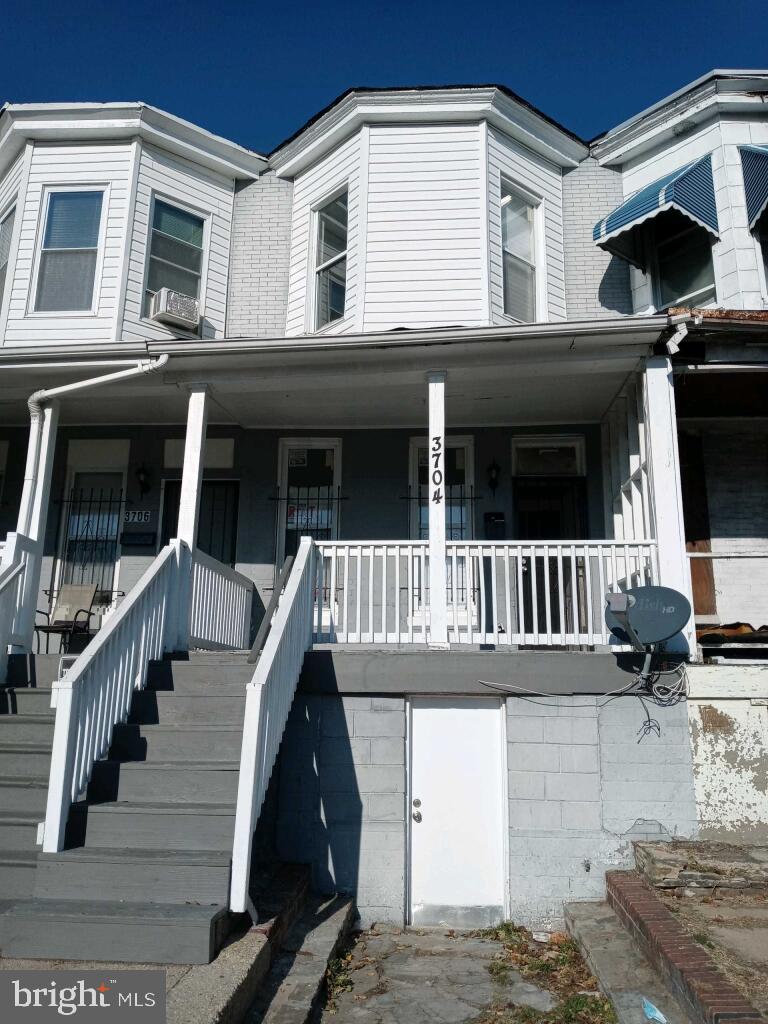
{"points": [[38, 399]]}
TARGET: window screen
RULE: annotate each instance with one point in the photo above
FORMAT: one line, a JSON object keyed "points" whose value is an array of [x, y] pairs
{"points": [[69, 250]]}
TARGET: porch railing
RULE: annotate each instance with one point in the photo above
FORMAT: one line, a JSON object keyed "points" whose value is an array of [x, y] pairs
{"points": [[17, 601], [543, 593], [269, 696], [95, 695], [220, 605]]}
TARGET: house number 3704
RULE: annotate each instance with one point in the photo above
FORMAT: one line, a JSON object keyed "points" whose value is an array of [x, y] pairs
{"points": [[436, 458]]}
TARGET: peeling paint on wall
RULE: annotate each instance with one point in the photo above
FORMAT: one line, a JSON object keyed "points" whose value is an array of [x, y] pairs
{"points": [[729, 739]]}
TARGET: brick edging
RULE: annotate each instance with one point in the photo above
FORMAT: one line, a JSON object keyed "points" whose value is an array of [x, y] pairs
{"points": [[693, 976]]}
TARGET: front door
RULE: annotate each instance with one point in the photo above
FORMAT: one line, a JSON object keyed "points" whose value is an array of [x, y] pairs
{"points": [[217, 521], [308, 499], [91, 522], [456, 807]]}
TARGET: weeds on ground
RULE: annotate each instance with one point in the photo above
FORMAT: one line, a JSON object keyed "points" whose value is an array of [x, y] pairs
{"points": [[556, 965], [337, 980]]}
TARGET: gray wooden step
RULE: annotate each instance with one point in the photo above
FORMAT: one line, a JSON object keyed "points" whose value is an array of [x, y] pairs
{"points": [[17, 873], [25, 700], [27, 728], [24, 794], [21, 759], [164, 876], [111, 931], [170, 708], [153, 782], [33, 669], [160, 826], [18, 829], [176, 743], [193, 678]]}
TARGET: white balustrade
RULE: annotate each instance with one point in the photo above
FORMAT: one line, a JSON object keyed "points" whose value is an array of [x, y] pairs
{"points": [[95, 695], [269, 696], [18, 596], [220, 612], [543, 593]]}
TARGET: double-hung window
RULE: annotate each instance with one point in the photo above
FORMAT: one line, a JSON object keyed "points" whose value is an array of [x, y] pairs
{"points": [[518, 242], [69, 251], [761, 230], [331, 261], [175, 252], [6, 231], [684, 270]]}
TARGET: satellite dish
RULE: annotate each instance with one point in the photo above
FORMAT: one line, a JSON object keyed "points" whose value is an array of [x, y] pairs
{"points": [[654, 614]]}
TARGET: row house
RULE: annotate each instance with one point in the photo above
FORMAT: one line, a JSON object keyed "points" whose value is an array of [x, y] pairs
{"points": [[316, 471]]}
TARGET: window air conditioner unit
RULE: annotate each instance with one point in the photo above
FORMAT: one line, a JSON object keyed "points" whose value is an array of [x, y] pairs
{"points": [[170, 307]]}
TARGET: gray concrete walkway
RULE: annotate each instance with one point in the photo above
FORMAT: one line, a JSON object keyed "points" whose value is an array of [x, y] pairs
{"points": [[416, 977]]}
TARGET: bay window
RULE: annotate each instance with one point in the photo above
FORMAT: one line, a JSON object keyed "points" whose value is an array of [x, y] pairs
{"points": [[331, 261], [175, 252], [69, 250], [518, 241]]}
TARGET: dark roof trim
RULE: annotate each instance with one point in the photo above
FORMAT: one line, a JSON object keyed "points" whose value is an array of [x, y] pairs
{"points": [[425, 88]]}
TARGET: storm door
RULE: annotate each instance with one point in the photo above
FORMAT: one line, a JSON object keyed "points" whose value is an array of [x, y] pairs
{"points": [[308, 492], [217, 521], [92, 511]]}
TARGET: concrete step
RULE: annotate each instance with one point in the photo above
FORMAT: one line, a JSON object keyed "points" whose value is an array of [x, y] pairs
{"points": [[159, 826], [17, 873], [154, 782], [33, 669], [24, 794], [168, 933], [176, 743], [149, 706], [27, 728], [164, 876], [292, 988], [23, 759], [18, 829], [25, 700], [193, 678], [620, 966]]}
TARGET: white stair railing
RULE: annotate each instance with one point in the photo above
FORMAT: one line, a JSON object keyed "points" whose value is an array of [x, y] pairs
{"points": [[95, 695], [16, 577], [269, 696], [220, 612]]}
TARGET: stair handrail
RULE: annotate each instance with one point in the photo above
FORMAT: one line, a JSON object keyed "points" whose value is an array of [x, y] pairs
{"points": [[269, 614], [96, 692], [268, 700], [15, 555]]}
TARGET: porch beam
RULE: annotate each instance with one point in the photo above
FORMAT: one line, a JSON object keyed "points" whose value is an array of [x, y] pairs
{"points": [[666, 488], [436, 497], [189, 505]]}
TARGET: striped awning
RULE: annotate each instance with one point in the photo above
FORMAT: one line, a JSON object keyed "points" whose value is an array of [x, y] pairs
{"points": [[754, 164], [689, 190]]}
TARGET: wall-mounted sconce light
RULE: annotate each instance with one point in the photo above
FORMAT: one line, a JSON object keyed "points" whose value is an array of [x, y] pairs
{"points": [[493, 476], [143, 479]]}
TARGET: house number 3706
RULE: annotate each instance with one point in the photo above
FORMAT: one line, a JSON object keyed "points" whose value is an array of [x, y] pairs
{"points": [[436, 458]]}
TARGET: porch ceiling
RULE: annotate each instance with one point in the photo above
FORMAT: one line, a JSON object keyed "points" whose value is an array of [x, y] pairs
{"points": [[565, 378]]}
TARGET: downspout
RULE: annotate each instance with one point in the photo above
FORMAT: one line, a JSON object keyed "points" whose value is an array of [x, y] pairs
{"points": [[38, 399], [680, 323]]}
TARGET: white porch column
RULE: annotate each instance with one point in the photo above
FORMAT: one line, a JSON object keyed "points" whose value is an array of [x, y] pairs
{"points": [[438, 611], [666, 489], [33, 514], [189, 503]]}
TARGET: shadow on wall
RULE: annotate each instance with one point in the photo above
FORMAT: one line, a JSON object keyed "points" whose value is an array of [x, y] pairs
{"points": [[320, 814], [614, 291]]}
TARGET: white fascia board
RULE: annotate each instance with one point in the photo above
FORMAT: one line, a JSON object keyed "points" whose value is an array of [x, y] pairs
{"points": [[89, 122], [429, 106], [704, 100]]}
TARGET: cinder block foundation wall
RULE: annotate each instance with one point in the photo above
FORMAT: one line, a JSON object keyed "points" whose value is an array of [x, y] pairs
{"points": [[342, 799], [584, 783], [581, 788]]}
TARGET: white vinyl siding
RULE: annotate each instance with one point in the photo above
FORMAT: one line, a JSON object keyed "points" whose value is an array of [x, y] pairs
{"points": [[106, 167], [335, 172], [6, 234], [203, 193], [425, 257], [511, 164]]}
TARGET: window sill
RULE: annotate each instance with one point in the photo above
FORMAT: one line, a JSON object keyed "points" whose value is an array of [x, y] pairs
{"points": [[71, 314], [331, 328]]}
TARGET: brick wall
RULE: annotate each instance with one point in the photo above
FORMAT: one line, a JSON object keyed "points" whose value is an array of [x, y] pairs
{"points": [[581, 787], [260, 253], [596, 284], [342, 798]]}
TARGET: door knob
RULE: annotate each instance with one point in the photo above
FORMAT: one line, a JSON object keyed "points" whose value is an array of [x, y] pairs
{"points": [[417, 816]]}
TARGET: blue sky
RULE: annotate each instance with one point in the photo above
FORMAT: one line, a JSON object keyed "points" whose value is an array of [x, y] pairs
{"points": [[254, 72]]}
